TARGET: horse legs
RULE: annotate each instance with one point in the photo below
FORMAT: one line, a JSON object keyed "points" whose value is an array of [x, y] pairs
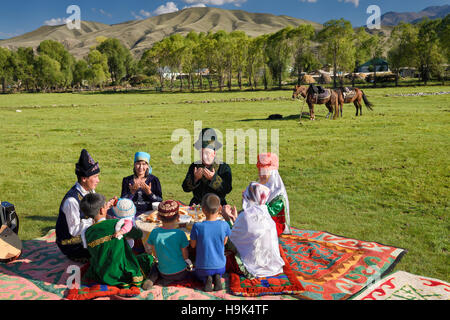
{"points": [[356, 106], [312, 116], [330, 109]]}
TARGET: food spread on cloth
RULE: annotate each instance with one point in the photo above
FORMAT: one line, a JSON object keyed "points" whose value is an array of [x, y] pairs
{"points": [[188, 216]]}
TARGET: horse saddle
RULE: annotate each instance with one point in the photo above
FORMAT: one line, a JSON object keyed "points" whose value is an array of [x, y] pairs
{"points": [[348, 93], [319, 93]]}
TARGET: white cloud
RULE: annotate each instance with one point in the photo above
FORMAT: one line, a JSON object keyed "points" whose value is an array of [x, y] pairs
{"points": [[145, 13], [142, 14], [103, 12], [196, 5], [56, 21], [313, 1], [166, 8], [237, 3], [356, 2]]}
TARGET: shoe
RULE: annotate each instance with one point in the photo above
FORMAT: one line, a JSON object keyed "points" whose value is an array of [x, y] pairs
{"points": [[147, 285], [217, 282], [208, 284]]}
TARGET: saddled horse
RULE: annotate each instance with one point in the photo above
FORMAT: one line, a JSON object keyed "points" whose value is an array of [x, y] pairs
{"points": [[328, 97], [353, 95]]}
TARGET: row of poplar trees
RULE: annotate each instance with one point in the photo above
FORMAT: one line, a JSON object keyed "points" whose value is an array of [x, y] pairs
{"points": [[230, 58]]}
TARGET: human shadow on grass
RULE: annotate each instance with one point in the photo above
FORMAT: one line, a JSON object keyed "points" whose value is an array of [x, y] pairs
{"points": [[305, 116], [44, 230]]}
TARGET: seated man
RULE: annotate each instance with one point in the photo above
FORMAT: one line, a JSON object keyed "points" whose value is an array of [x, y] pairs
{"points": [[208, 176], [71, 221]]}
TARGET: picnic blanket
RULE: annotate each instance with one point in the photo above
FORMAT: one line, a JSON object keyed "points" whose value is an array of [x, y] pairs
{"points": [[40, 273], [402, 285], [332, 267], [283, 283], [328, 267]]}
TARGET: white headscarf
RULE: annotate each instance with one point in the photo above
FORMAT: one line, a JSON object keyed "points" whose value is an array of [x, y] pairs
{"points": [[276, 187], [255, 236]]}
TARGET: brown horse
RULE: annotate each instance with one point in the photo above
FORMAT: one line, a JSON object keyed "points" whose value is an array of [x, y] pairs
{"points": [[331, 101], [354, 96]]}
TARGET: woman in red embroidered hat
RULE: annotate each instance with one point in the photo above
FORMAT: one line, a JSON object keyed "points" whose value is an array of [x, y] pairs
{"points": [[278, 202]]}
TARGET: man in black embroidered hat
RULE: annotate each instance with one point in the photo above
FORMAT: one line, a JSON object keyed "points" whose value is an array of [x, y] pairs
{"points": [[71, 221], [209, 176]]}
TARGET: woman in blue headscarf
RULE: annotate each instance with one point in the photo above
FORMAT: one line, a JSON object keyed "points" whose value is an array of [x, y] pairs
{"points": [[142, 187]]}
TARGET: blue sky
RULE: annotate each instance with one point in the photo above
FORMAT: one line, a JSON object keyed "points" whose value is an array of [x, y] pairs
{"points": [[18, 17]]}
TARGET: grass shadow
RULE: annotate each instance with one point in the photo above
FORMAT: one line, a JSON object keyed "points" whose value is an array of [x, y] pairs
{"points": [[44, 230], [305, 116]]}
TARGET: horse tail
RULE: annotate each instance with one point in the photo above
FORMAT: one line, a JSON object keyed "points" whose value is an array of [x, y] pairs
{"points": [[366, 101]]}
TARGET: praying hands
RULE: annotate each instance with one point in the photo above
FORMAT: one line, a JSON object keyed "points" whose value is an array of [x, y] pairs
{"points": [[203, 172]]}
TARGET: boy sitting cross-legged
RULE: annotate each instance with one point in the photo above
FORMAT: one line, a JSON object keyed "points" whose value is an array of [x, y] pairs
{"points": [[170, 246]]}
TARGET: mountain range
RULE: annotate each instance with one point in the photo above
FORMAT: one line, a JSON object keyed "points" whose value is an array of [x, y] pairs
{"points": [[139, 35], [394, 18]]}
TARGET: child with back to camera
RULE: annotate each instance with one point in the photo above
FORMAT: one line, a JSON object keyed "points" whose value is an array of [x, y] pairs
{"points": [[170, 245], [209, 238]]}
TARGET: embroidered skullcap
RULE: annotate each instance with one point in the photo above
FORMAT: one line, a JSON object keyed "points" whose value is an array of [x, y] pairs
{"points": [[168, 208], [86, 166], [267, 162], [124, 208]]}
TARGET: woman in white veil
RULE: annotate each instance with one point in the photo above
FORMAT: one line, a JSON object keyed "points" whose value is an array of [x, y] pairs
{"points": [[254, 233], [278, 202]]}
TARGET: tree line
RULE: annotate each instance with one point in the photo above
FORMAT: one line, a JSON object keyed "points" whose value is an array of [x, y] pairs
{"points": [[219, 59]]}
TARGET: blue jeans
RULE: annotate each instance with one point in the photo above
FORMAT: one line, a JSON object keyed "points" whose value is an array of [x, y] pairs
{"points": [[202, 274]]}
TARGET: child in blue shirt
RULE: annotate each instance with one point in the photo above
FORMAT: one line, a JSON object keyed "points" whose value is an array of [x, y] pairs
{"points": [[170, 245], [209, 238]]}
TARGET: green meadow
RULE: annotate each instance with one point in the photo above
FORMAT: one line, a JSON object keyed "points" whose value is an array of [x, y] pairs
{"points": [[381, 177]]}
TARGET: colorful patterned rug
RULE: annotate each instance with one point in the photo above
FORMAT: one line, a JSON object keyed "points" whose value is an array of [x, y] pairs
{"points": [[332, 267], [40, 273], [284, 283], [402, 285]]}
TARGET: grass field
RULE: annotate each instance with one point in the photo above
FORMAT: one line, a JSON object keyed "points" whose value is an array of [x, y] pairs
{"points": [[382, 177]]}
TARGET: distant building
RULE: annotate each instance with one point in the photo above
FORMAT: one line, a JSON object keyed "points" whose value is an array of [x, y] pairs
{"points": [[380, 65]]}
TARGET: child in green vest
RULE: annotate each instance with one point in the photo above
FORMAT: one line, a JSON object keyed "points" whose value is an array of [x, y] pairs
{"points": [[112, 261]]}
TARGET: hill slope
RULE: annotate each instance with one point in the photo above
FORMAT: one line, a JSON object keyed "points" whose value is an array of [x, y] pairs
{"points": [[394, 18], [139, 35]]}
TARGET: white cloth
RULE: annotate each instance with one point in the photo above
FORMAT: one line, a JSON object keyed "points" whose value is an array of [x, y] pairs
{"points": [[276, 186], [71, 209], [255, 237], [83, 234], [119, 226]]}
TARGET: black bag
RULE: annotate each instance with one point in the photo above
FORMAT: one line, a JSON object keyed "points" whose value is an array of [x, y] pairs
{"points": [[8, 216]]}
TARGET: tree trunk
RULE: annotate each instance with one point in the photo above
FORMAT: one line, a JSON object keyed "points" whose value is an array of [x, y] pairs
{"points": [[240, 80], [334, 67], [374, 76]]}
